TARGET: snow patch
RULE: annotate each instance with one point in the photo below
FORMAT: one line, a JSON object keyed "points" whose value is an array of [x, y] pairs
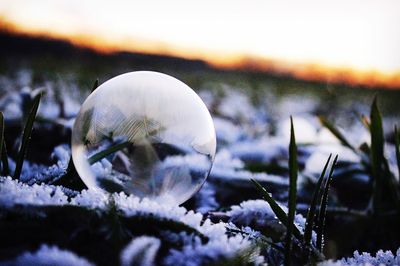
{"points": [[140, 251], [48, 256]]}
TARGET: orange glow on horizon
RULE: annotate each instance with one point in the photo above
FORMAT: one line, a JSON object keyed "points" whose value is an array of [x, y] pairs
{"points": [[229, 61]]}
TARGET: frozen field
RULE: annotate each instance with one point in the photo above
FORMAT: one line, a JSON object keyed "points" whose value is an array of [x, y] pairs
{"points": [[226, 222]]}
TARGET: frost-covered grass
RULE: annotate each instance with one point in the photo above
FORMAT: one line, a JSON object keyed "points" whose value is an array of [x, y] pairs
{"points": [[187, 230], [225, 223], [365, 258]]}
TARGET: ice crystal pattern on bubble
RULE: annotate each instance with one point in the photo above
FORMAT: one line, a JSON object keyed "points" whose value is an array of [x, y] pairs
{"points": [[131, 130]]}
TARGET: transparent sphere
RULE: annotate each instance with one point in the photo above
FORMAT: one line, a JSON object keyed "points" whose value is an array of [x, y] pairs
{"points": [[146, 134]]}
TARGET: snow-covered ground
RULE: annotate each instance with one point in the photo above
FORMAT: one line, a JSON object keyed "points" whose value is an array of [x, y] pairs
{"points": [[249, 136]]}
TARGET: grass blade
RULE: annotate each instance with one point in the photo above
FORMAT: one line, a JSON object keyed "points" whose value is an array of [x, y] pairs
{"points": [[323, 207], [71, 178], [1, 130], [293, 170], [313, 205], [26, 135], [278, 211], [110, 150], [336, 133], [95, 85], [397, 146], [377, 157], [4, 160], [3, 150]]}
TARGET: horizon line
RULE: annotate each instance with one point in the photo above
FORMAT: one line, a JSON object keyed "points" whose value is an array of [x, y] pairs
{"points": [[307, 71]]}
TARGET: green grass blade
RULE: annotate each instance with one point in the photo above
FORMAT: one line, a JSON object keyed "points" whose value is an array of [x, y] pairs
{"points": [[397, 144], [336, 133], [71, 167], [102, 154], [1, 130], [3, 149], [377, 157], [71, 178], [313, 205], [394, 184], [4, 160], [26, 135], [293, 170], [95, 85], [391, 184], [323, 207], [278, 211]]}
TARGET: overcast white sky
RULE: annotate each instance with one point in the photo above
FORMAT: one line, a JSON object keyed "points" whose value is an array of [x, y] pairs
{"points": [[359, 34]]}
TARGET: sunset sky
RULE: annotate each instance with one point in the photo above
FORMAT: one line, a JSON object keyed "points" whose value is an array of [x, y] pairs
{"points": [[357, 35]]}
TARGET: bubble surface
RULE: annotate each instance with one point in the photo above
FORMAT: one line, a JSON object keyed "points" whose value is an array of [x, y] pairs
{"points": [[147, 134]]}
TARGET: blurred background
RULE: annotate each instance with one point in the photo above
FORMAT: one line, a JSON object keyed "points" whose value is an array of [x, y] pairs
{"points": [[341, 42]]}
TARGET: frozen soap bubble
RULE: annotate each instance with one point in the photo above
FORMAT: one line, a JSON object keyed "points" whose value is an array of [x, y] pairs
{"points": [[146, 134]]}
